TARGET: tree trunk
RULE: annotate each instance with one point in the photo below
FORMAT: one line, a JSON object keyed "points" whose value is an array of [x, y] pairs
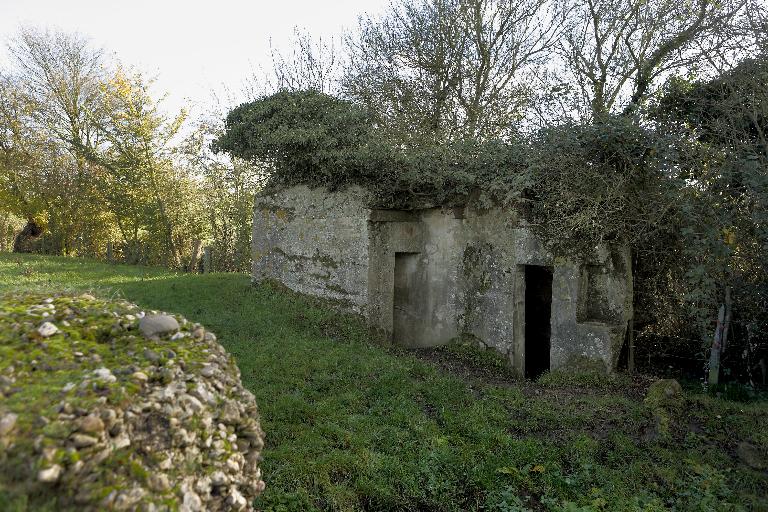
{"points": [[197, 246], [631, 350], [24, 241], [727, 321], [3, 232], [207, 260]]}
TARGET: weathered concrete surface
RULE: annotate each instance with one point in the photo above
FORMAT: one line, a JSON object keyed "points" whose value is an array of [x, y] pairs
{"points": [[314, 243], [426, 277]]}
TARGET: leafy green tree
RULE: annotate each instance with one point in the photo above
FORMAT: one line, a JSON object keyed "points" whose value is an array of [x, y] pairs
{"points": [[99, 154], [139, 184], [38, 176], [228, 186]]}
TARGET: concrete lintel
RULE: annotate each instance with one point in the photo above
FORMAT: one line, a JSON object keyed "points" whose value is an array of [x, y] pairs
{"points": [[392, 216]]}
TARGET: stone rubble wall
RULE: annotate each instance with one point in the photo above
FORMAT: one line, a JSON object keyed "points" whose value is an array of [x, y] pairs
{"points": [[106, 406]]}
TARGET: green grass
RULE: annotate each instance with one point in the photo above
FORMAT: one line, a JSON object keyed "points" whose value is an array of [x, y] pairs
{"points": [[352, 425]]}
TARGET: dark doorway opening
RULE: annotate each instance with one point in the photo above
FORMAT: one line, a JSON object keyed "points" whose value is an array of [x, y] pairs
{"points": [[408, 297], [538, 309]]}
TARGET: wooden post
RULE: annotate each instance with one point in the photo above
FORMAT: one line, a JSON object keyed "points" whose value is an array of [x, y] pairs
{"points": [[631, 353], [109, 252], [721, 338], [727, 321], [207, 260]]}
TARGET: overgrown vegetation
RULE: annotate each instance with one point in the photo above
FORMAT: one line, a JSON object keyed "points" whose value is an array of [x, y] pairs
{"points": [[306, 137], [355, 426]]}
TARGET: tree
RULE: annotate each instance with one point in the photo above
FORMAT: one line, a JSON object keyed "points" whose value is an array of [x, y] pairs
{"points": [[313, 64], [58, 74], [299, 136], [449, 68], [104, 166], [723, 124], [37, 175], [139, 182], [228, 186], [616, 52], [63, 73]]}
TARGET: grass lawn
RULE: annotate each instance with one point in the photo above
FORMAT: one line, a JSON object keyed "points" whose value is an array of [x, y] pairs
{"points": [[352, 425]]}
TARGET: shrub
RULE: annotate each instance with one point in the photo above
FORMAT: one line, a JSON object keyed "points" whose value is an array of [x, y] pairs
{"points": [[303, 137]]}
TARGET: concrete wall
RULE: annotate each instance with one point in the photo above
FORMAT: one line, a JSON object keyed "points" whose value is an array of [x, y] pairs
{"points": [[314, 243], [426, 277]]}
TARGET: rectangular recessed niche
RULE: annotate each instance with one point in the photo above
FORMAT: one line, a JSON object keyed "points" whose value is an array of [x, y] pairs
{"points": [[406, 303]]}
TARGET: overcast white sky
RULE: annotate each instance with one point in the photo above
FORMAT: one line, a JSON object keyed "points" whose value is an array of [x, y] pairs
{"points": [[190, 47]]}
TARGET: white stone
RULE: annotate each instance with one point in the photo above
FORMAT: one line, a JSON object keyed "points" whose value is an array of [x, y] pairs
{"points": [[218, 478], [104, 375], [47, 329], [236, 500], [156, 325], [122, 441], [232, 465], [168, 393], [140, 377], [204, 394], [83, 441], [191, 503], [203, 485], [7, 423], [49, 475], [194, 403]]}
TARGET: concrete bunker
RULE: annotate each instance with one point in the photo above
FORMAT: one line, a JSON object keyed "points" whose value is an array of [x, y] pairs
{"points": [[428, 276]]}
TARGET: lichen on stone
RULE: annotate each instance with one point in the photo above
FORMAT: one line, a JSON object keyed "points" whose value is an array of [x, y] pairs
{"points": [[96, 415]]}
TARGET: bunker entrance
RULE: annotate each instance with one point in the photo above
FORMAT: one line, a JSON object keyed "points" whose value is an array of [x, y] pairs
{"points": [[538, 308], [407, 283]]}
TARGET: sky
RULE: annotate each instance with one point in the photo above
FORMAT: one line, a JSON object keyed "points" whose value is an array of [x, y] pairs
{"points": [[190, 47]]}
